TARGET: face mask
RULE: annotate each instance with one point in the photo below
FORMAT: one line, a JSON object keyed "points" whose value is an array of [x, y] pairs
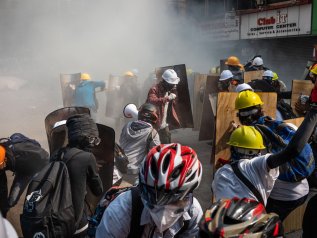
{"points": [[166, 216]]}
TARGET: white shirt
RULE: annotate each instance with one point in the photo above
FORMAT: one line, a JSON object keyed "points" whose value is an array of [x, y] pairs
{"points": [[289, 191], [116, 220], [227, 185]]}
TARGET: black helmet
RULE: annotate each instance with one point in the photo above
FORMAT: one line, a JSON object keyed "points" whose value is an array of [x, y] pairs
{"points": [[240, 218], [148, 113], [82, 130]]}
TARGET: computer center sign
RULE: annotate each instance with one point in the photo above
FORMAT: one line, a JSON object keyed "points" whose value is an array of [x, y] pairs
{"points": [[282, 22]]}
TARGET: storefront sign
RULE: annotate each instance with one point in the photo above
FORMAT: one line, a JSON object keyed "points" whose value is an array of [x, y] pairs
{"points": [[221, 29], [289, 21]]}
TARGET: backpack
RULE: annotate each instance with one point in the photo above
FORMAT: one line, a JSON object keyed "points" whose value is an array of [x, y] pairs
{"points": [[28, 155], [277, 135], [48, 208], [137, 208], [110, 195]]}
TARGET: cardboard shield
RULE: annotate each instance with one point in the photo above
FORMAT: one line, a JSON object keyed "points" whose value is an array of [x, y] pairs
{"points": [[104, 154], [251, 75], [183, 107], [207, 126], [300, 87], [226, 115], [55, 125], [69, 83], [199, 90]]}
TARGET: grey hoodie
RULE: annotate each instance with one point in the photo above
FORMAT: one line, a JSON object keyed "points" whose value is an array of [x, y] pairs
{"points": [[136, 140]]}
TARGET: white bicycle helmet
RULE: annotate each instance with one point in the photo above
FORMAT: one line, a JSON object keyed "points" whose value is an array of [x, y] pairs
{"points": [[169, 173]]}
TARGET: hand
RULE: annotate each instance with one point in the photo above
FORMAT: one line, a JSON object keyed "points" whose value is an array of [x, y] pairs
{"points": [[302, 105], [171, 97]]}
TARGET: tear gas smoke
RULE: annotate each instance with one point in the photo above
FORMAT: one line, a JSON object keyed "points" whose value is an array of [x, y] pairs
{"points": [[41, 39]]}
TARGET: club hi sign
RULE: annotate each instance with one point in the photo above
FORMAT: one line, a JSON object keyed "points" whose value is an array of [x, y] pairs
{"points": [[277, 23]]}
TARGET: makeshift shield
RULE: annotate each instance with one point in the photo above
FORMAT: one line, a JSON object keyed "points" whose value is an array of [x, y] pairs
{"points": [[104, 154], [69, 83], [114, 110], [55, 126], [183, 107]]}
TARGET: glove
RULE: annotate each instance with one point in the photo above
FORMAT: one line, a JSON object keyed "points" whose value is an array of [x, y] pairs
{"points": [[171, 97]]}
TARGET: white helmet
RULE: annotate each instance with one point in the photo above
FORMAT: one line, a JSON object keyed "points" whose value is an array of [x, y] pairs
{"points": [[226, 74], [268, 73], [257, 61], [243, 87], [170, 76]]}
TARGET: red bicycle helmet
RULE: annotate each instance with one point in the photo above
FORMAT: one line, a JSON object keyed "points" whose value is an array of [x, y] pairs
{"points": [[169, 173], [243, 218]]}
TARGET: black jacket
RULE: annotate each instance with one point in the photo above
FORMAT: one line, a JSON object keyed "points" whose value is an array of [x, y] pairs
{"points": [[82, 169]]}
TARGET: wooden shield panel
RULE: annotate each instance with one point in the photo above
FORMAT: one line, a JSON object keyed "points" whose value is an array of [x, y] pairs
{"points": [[226, 114], [296, 121], [68, 84], [199, 89], [207, 125], [300, 87], [184, 107], [251, 75]]}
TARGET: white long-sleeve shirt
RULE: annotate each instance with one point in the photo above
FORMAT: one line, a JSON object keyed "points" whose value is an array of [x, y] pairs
{"points": [[116, 220]]}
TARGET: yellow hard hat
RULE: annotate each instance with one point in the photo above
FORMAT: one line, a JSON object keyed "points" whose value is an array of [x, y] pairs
{"points": [[246, 137], [247, 99], [129, 74], [85, 76], [313, 69], [189, 71], [275, 76], [2, 156]]}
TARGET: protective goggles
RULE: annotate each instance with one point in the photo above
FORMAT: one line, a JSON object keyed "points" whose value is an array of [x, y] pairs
{"points": [[153, 196], [94, 140], [248, 113]]}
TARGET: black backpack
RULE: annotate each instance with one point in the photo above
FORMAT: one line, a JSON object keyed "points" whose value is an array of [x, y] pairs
{"points": [[48, 209], [28, 155]]}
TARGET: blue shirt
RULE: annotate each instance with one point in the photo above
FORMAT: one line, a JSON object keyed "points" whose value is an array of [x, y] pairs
{"points": [[85, 94]]}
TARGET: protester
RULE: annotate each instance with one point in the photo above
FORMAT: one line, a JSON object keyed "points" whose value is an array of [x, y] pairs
{"points": [[236, 68], [261, 170], [164, 96], [256, 64], [82, 167], [165, 206], [285, 196], [243, 87], [138, 137], [225, 80], [239, 218], [85, 93], [24, 159]]}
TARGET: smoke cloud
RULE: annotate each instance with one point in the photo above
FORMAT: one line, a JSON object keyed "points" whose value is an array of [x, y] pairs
{"points": [[40, 39]]}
